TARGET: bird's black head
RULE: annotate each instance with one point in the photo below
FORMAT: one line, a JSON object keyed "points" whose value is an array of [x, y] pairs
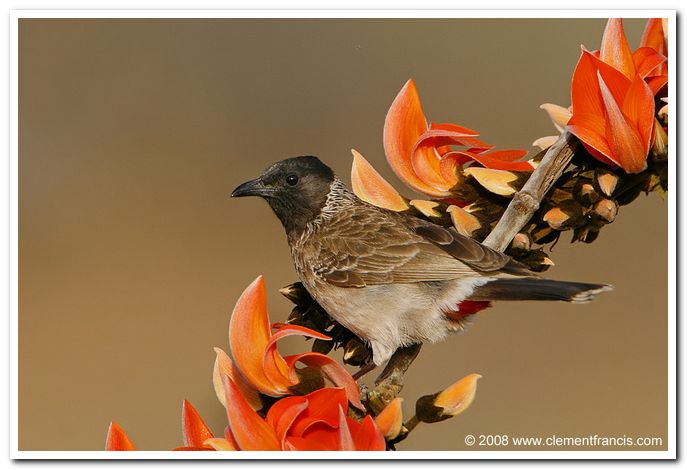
{"points": [[295, 188]]}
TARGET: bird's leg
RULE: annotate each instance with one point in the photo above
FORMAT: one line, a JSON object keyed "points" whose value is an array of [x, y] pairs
{"points": [[390, 382], [364, 370]]}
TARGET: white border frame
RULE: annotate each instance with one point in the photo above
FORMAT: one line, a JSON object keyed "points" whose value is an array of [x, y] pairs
{"points": [[15, 15]]}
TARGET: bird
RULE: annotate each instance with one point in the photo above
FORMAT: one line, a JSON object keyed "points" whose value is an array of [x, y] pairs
{"points": [[393, 279]]}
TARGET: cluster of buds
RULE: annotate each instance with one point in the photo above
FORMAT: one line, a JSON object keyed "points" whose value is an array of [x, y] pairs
{"points": [[588, 196]]}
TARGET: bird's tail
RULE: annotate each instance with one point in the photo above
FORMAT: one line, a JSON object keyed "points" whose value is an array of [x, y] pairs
{"points": [[533, 288]]}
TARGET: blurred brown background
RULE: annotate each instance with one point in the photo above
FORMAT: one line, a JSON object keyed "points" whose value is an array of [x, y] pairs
{"points": [[134, 132]]}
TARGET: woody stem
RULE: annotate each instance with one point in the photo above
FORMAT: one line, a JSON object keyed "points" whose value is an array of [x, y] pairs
{"points": [[411, 423], [526, 201]]}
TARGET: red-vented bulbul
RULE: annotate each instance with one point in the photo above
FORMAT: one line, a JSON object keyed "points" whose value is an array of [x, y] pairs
{"points": [[391, 278]]}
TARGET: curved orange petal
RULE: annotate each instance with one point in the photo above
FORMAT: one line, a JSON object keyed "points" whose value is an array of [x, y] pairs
{"points": [[656, 83], [615, 49], [369, 186], [617, 83], [653, 35], [248, 428], [332, 370], [505, 155], [194, 429], [404, 124], [638, 107], [284, 413], [196, 449], [585, 94], [322, 408], [304, 444], [448, 126], [647, 61], [225, 366], [425, 161], [219, 443], [623, 140], [117, 438], [594, 142], [442, 137], [229, 436], [440, 169], [503, 160], [345, 438], [466, 136], [249, 333], [451, 163], [366, 435], [272, 361], [390, 420]]}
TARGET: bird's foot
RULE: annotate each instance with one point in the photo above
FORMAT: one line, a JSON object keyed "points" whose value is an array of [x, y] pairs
{"points": [[364, 370]]}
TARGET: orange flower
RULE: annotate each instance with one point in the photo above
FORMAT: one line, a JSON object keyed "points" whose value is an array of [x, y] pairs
{"points": [[422, 155], [612, 104], [316, 421], [260, 366], [117, 439]]}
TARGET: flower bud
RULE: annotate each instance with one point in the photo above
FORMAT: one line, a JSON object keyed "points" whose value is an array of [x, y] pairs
{"points": [[556, 195], [585, 192], [296, 293], [660, 145], [663, 111], [501, 182], [557, 219], [545, 142], [521, 242], [607, 182], [451, 402], [544, 234], [558, 115], [568, 214], [606, 210], [427, 208], [356, 353], [536, 260], [464, 222], [321, 346], [390, 420]]}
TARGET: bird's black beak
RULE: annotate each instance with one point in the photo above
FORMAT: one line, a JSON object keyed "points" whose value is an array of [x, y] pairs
{"points": [[250, 188]]}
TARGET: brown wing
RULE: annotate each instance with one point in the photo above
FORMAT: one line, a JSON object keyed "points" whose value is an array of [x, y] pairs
{"points": [[367, 246], [469, 251]]}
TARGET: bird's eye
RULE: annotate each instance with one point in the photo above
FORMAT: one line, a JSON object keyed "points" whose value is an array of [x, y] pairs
{"points": [[292, 180]]}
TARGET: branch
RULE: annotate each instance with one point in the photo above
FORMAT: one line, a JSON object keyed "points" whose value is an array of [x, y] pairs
{"points": [[390, 382], [526, 201]]}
